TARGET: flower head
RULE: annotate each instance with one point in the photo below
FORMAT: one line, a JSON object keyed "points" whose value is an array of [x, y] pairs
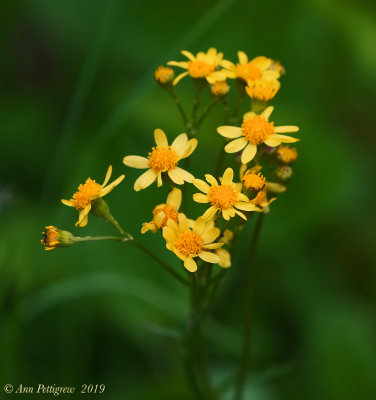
{"points": [[255, 130], [54, 238], [261, 200], [191, 242], [225, 198], [258, 68], [87, 193], [253, 181], [164, 212], [163, 159], [262, 89], [220, 88], [164, 75], [202, 66], [287, 155]]}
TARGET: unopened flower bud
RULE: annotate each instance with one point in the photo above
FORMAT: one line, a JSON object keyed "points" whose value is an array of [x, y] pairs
{"points": [[220, 88], [284, 173], [287, 155], [54, 237], [164, 75]]}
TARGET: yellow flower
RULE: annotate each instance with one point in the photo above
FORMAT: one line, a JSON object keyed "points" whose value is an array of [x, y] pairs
{"points": [[188, 243], [287, 155], [203, 65], [253, 181], [258, 68], [227, 236], [224, 258], [163, 212], [164, 75], [220, 88], [87, 193], [54, 238], [262, 201], [225, 198], [255, 130], [163, 158], [262, 89]]}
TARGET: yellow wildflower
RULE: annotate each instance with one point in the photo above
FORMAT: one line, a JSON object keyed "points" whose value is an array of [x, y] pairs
{"points": [[225, 198], [220, 88], [262, 201], [253, 181], [54, 238], [164, 75], [287, 155], [163, 158], [259, 68], [255, 130], [87, 193], [262, 89], [163, 212], [203, 65], [188, 243]]}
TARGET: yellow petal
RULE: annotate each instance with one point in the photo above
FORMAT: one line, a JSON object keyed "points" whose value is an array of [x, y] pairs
{"points": [[108, 176], [230, 132], [236, 145], [190, 148], [190, 264], [181, 64], [145, 180], [246, 206], [286, 129], [249, 115], [208, 257], [212, 246], [211, 180], [159, 179], [210, 235], [185, 175], [227, 214], [111, 186], [179, 77], [273, 140], [228, 176], [248, 153], [168, 234], [224, 258], [267, 112], [243, 58], [201, 185], [136, 162], [183, 223], [83, 216], [175, 177], [179, 144], [200, 198], [67, 203], [240, 214], [188, 54], [160, 138], [174, 198], [287, 139], [209, 213]]}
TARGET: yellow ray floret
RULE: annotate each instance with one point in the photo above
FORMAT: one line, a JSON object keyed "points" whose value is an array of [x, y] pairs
{"points": [[259, 68], [255, 130], [88, 192], [262, 89], [225, 198], [163, 159], [188, 243], [163, 212], [203, 65]]}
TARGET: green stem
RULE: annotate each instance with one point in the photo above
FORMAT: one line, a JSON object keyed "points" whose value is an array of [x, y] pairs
{"points": [[248, 308], [215, 100], [177, 101], [93, 238]]}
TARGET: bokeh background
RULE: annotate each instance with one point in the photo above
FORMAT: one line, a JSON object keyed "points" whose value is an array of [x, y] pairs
{"points": [[77, 93]]}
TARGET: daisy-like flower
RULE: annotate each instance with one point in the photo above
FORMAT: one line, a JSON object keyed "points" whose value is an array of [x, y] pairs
{"points": [[188, 243], [203, 65], [259, 68], [53, 238], [225, 198], [163, 212], [89, 192], [163, 158], [262, 89], [255, 130]]}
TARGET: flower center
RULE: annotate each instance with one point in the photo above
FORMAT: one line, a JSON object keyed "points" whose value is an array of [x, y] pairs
{"points": [[169, 212], [251, 180], [86, 193], [199, 69], [189, 243], [162, 159], [222, 197], [257, 129], [50, 236], [248, 71]]}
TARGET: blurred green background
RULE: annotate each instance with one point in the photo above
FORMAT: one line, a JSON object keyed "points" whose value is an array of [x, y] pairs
{"points": [[78, 94]]}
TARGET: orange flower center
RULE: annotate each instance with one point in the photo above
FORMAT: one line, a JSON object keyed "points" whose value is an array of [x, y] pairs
{"points": [[189, 243], [169, 212], [287, 155], [248, 71], [222, 197], [87, 192], [251, 180], [199, 69], [257, 129], [163, 159], [50, 237]]}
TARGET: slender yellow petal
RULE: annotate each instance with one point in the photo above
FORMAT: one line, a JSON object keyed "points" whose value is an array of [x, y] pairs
{"points": [[168, 234], [211, 179], [160, 138], [188, 54], [175, 177], [236, 145], [111, 186], [208, 257], [248, 153], [191, 146], [185, 175], [228, 176], [180, 144], [183, 223], [246, 206], [67, 203], [243, 58], [209, 213], [200, 198], [240, 214], [267, 112], [230, 132], [174, 198], [108, 176], [273, 140], [179, 77], [201, 185], [145, 180], [159, 179], [181, 64], [224, 258], [210, 235], [286, 129], [136, 162], [190, 264]]}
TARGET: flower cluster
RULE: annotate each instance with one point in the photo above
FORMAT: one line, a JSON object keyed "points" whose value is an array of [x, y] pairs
{"points": [[228, 198]]}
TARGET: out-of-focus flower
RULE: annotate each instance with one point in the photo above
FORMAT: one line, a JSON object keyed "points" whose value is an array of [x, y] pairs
{"points": [[225, 198], [164, 75], [287, 155], [54, 238], [262, 89], [163, 212], [202, 66], [188, 243], [259, 68], [220, 88], [262, 201], [87, 193], [255, 130], [163, 158], [284, 173]]}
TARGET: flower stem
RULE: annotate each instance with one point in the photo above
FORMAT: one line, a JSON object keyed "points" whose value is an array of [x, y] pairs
{"points": [[177, 101], [248, 308], [93, 238]]}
